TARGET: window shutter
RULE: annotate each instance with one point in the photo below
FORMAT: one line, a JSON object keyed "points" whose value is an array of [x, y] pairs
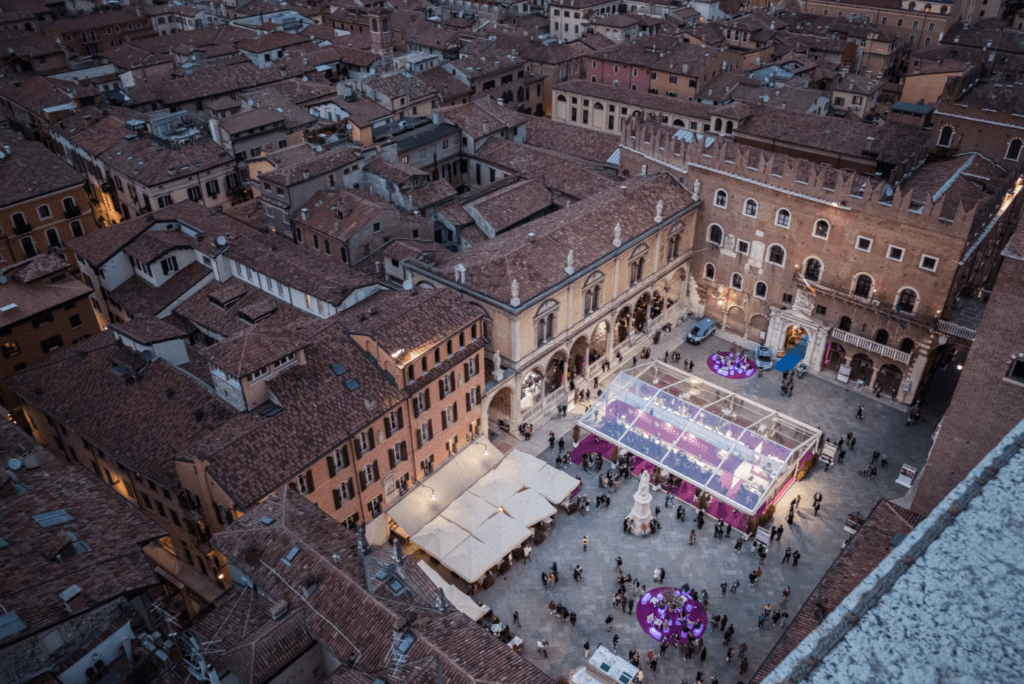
{"points": [[469, 406], [358, 447], [401, 423], [376, 472], [362, 480], [344, 456], [309, 481], [444, 420], [337, 499], [455, 410], [419, 440], [415, 407], [430, 428], [351, 490], [387, 426], [404, 451], [451, 380], [369, 433], [440, 388], [331, 470], [426, 394], [391, 457], [465, 371]]}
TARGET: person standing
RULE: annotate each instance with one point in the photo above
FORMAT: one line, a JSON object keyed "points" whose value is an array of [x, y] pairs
{"points": [[572, 619], [817, 507], [586, 650], [542, 646], [631, 606], [785, 594], [778, 535], [693, 537], [551, 440], [527, 550], [515, 618], [585, 542], [615, 644], [752, 577], [739, 545], [608, 623], [735, 585], [544, 579], [725, 619], [796, 557], [860, 412], [725, 587], [775, 617], [789, 518], [728, 655], [787, 555]]}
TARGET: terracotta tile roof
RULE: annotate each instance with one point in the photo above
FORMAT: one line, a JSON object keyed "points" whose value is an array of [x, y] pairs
{"points": [[149, 162], [340, 214], [558, 172], [139, 298], [477, 119], [218, 307], [359, 612], [30, 170], [253, 456], [455, 214], [432, 193], [271, 41], [316, 165], [33, 294], [400, 84], [510, 205], [870, 545], [588, 145], [298, 91], [145, 424], [253, 118], [396, 172], [153, 244], [113, 566], [252, 349], [445, 84], [105, 132], [297, 267], [586, 227], [148, 330], [407, 324]]}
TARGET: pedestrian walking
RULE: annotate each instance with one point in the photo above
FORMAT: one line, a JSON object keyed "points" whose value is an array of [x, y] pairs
{"points": [[572, 619], [725, 619], [728, 655], [735, 585], [542, 647], [798, 498], [775, 617], [551, 440], [515, 618], [693, 537], [561, 446], [787, 555], [586, 650], [664, 647], [728, 529], [817, 507], [757, 573], [654, 663], [860, 413], [739, 545], [585, 542], [785, 594], [853, 443], [615, 644], [544, 579], [703, 653], [789, 518], [725, 588], [785, 616], [630, 606], [744, 665], [796, 557], [753, 578], [608, 622], [778, 535], [527, 550]]}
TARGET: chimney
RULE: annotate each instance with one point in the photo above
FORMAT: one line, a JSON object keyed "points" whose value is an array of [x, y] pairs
{"points": [[305, 214], [305, 174], [487, 126], [278, 610]]}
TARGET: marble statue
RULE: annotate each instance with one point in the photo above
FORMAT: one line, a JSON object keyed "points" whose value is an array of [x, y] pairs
{"points": [[641, 514], [657, 213], [498, 375], [644, 486], [568, 267], [618, 235], [515, 292], [696, 189]]}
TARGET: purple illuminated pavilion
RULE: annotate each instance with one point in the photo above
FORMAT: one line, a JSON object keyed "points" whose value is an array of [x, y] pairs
{"points": [[743, 454], [671, 615]]}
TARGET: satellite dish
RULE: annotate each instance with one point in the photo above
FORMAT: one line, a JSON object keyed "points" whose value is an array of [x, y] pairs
{"points": [[148, 355], [221, 241], [3, 279], [14, 463]]}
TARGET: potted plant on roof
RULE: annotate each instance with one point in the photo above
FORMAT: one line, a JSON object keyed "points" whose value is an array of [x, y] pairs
{"points": [[575, 436]]}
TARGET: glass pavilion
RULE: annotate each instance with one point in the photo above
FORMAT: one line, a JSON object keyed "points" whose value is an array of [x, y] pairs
{"points": [[738, 451]]}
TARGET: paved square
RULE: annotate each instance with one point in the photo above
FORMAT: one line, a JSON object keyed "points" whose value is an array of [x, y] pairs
{"points": [[707, 564]]}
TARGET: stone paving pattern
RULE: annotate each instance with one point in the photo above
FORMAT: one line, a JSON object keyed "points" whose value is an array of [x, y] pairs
{"points": [[816, 401]]}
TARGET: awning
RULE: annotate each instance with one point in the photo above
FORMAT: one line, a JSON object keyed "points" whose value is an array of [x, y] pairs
{"points": [[469, 512], [502, 533], [495, 489], [553, 484], [454, 477], [439, 537], [459, 600], [529, 507], [471, 559], [519, 467]]}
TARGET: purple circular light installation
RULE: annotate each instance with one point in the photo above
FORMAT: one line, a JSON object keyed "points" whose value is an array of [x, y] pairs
{"points": [[668, 613], [733, 366]]}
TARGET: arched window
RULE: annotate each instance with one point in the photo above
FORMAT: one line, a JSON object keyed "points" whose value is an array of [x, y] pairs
{"points": [[760, 290], [715, 234], [821, 228], [928, 8], [812, 270], [845, 323], [945, 136], [598, 107], [777, 255], [882, 336], [1013, 151], [28, 247], [782, 217], [718, 125], [907, 345], [561, 98], [709, 271], [912, 5], [737, 281], [721, 198], [863, 286], [678, 122], [907, 300], [728, 127], [750, 208]]}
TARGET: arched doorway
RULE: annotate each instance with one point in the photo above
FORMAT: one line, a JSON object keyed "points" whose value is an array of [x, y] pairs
{"points": [[735, 320], [835, 356], [532, 390], [599, 341], [578, 356], [554, 374], [888, 379], [657, 303], [794, 334], [500, 407], [861, 368], [641, 312], [757, 331], [622, 326]]}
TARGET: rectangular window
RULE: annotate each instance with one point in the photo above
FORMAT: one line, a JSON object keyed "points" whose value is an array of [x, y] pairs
{"points": [[895, 253], [743, 247], [169, 265], [195, 193], [929, 263], [864, 244]]}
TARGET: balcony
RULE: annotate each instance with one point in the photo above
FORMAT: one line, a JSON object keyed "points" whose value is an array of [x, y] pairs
{"points": [[872, 346], [72, 212], [876, 303]]}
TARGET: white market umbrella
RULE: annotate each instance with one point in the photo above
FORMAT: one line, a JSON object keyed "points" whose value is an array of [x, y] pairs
{"points": [[471, 559], [469, 511], [502, 533], [513, 471], [495, 489], [439, 537], [529, 507], [553, 484], [525, 462]]}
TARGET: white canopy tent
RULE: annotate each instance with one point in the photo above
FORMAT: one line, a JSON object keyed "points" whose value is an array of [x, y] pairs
{"points": [[471, 559], [494, 488], [529, 507], [553, 484], [502, 533], [440, 536], [449, 482], [520, 466], [459, 600], [469, 512]]}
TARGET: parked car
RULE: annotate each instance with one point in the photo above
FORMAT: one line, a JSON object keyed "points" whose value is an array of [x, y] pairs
{"points": [[704, 329], [763, 357]]}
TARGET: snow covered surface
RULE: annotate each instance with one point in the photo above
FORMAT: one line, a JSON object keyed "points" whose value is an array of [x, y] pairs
{"points": [[955, 614]]}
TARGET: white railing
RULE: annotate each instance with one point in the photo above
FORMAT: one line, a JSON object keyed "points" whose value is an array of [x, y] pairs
{"points": [[872, 346], [951, 328]]}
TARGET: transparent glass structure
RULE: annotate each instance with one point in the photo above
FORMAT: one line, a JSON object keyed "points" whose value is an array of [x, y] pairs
{"points": [[737, 450]]}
